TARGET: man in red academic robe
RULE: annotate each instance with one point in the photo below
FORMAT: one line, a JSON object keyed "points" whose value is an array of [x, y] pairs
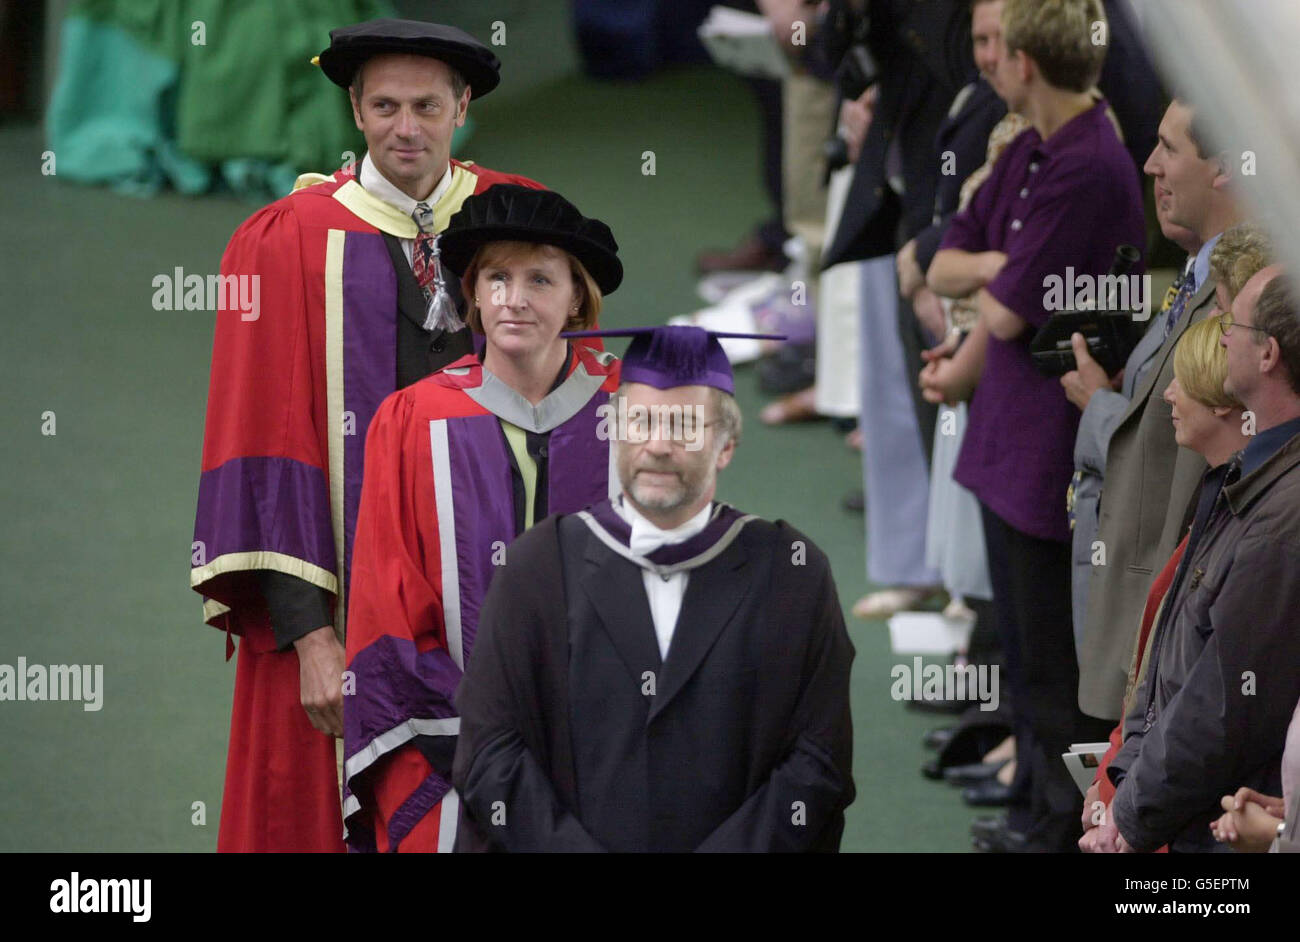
{"points": [[346, 312]]}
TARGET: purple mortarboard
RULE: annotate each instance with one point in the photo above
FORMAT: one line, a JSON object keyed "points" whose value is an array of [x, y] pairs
{"points": [[673, 355]]}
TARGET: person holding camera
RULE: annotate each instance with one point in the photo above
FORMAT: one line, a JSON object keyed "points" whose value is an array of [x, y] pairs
{"points": [[1149, 480]]}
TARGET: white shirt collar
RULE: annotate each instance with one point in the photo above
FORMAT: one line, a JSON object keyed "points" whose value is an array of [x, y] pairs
{"points": [[1201, 265], [377, 185], [646, 537]]}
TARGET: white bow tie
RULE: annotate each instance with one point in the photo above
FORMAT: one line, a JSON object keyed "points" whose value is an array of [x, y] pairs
{"points": [[645, 540]]}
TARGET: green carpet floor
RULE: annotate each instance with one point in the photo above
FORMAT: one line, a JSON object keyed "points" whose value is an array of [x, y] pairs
{"points": [[98, 517]]}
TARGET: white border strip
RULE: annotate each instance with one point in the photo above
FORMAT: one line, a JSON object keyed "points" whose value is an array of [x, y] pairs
{"points": [[449, 817], [445, 501], [399, 735]]}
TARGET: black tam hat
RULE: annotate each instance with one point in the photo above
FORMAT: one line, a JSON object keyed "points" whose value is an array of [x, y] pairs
{"points": [[511, 213], [351, 46]]}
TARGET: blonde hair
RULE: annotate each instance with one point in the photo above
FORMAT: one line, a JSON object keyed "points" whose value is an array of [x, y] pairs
{"points": [[1201, 364], [1240, 252], [491, 253], [1058, 36]]}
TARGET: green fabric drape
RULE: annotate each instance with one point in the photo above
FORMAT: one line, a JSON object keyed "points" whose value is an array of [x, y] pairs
{"points": [[195, 93]]}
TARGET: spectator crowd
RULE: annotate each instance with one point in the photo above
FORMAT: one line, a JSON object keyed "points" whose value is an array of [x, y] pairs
{"points": [[1122, 535]]}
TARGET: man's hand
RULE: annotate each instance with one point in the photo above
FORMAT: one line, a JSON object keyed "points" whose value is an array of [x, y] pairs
{"points": [[1087, 378], [855, 121], [943, 382], [910, 277], [1104, 838], [1244, 796], [945, 349], [321, 660], [1090, 799], [928, 309], [1249, 822]]}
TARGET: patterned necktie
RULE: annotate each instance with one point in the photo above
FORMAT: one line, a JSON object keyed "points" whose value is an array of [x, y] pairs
{"points": [[1172, 291], [422, 262], [439, 309], [1185, 292]]}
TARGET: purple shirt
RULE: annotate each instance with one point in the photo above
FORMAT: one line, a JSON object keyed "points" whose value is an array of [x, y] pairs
{"points": [[1066, 202]]}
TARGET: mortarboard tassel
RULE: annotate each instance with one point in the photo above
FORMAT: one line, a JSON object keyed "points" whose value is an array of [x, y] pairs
{"points": [[440, 312]]}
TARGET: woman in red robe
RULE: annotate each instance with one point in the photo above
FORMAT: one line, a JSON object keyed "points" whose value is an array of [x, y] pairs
{"points": [[457, 466]]}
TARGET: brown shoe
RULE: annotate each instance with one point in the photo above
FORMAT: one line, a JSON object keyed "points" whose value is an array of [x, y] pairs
{"points": [[750, 255]]}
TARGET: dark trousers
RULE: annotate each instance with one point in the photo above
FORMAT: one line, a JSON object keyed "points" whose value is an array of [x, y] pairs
{"points": [[1031, 595], [771, 231], [985, 647]]}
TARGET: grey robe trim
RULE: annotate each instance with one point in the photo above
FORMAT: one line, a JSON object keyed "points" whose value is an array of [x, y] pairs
{"points": [[385, 743], [694, 562], [562, 404], [399, 735]]}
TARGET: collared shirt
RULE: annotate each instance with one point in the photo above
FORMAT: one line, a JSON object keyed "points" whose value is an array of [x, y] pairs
{"points": [[1057, 208], [664, 593], [1266, 444], [1201, 267], [379, 186]]}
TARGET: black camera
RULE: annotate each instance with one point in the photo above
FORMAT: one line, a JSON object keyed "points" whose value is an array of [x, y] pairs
{"points": [[1110, 331], [840, 53], [836, 151]]}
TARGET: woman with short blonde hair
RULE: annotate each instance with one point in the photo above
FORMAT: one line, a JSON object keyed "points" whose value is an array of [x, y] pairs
{"points": [[1201, 365]]}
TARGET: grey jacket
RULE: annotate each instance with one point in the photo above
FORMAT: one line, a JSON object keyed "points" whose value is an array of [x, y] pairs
{"points": [[1212, 713], [1149, 482], [1106, 409]]}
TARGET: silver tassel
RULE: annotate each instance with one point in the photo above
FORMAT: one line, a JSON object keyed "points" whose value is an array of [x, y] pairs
{"points": [[440, 311]]}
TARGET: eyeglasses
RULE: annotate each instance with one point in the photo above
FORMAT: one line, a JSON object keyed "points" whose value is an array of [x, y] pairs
{"points": [[1226, 323], [679, 428]]}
